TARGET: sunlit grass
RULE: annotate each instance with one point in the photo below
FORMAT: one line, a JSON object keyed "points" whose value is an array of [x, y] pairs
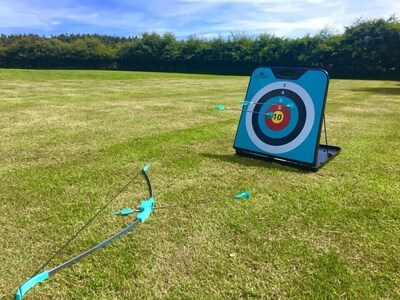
{"points": [[71, 139]]}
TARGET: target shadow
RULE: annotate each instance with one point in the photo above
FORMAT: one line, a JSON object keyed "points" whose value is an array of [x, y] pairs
{"points": [[250, 162]]}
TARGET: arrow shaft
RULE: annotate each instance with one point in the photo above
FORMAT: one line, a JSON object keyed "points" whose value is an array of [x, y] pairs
{"points": [[248, 111]]}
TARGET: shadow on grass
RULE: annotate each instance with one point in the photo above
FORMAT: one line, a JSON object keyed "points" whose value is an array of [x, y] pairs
{"points": [[379, 90], [251, 162]]}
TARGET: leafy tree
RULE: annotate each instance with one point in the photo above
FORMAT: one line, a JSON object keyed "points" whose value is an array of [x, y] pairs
{"points": [[367, 48], [372, 44]]}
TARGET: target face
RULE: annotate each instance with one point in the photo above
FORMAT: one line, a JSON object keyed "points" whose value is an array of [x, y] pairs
{"points": [[284, 130], [283, 117]]}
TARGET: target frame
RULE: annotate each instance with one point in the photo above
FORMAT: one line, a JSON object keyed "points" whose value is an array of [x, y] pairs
{"points": [[297, 141]]}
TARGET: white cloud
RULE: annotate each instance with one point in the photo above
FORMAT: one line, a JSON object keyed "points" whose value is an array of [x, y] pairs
{"points": [[13, 15], [23, 15]]}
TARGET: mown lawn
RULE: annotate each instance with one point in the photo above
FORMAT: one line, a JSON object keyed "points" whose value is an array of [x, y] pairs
{"points": [[69, 140]]}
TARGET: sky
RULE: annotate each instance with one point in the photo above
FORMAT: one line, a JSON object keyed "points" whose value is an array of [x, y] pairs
{"points": [[184, 18]]}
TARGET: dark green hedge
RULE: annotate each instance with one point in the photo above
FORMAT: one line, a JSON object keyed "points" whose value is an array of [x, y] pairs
{"points": [[367, 49]]}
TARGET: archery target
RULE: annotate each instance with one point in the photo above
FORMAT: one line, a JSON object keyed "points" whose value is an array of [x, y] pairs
{"points": [[284, 130], [283, 116]]}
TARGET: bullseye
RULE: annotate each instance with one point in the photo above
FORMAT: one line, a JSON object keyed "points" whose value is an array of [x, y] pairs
{"points": [[280, 117]]}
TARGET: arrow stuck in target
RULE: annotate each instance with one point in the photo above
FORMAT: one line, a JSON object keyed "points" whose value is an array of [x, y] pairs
{"points": [[269, 114], [245, 103]]}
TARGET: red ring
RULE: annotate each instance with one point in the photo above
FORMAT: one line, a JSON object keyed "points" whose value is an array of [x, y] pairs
{"points": [[286, 117]]}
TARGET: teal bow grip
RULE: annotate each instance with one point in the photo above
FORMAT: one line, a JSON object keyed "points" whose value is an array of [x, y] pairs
{"points": [[146, 207], [30, 283]]}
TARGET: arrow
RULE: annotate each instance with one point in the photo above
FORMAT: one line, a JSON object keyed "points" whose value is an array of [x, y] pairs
{"points": [[245, 103], [269, 115], [243, 195]]}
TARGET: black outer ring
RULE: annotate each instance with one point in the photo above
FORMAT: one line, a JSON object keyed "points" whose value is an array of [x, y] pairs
{"points": [[300, 123]]}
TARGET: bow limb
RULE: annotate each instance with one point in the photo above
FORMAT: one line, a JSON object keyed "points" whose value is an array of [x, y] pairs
{"points": [[146, 208]]}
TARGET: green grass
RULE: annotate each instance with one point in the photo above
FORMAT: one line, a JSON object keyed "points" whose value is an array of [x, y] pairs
{"points": [[69, 140]]}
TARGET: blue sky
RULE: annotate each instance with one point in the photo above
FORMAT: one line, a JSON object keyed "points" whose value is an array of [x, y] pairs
{"points": [[206, 18]]}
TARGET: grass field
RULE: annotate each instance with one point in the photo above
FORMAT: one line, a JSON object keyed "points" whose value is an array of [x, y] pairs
{"points": [[69, 140]]}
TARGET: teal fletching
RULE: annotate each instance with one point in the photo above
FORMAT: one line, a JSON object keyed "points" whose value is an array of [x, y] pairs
{"points": [[219, 107], [243, 195], [290, 105]]}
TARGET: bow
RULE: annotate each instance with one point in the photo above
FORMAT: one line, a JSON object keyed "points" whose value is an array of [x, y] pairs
{"points": [[144, 211]]}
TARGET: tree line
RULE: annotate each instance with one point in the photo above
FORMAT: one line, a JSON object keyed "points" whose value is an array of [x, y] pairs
{"points": [[366, 49]]}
